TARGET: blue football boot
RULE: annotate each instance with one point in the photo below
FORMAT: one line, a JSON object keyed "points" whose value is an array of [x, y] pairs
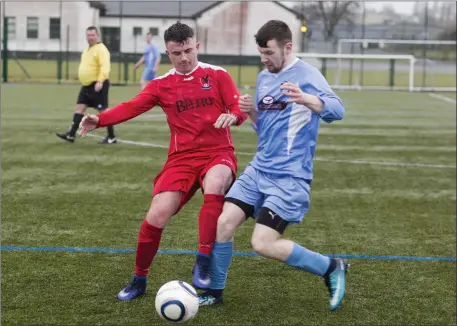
{"points": [[336, 283], [209, 298], [200, 272], [136, 288]]}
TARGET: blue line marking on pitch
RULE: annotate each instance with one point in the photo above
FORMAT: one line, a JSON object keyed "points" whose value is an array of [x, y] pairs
{"points": [[236, 253]]}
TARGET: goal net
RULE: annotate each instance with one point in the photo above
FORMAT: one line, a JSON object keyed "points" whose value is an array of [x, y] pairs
{"points": [[413, 65]]}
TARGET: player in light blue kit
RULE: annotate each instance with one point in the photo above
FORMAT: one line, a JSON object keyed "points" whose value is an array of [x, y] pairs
{"points": [[291, 98], [151, 59]]}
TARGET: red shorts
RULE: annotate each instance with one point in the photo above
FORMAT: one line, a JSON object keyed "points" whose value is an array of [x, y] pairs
{"points": [[185, 173]]}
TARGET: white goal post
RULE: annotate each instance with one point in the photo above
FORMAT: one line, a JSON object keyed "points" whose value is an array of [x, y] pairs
{"points": [[381, 42], [323, 58], [431, 64]]}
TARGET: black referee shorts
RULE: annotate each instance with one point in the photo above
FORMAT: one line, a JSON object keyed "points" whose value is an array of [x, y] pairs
{"points": [[92, 99]]}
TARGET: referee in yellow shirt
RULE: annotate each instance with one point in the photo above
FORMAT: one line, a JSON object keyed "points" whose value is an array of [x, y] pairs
{"points": [[93, 74]]}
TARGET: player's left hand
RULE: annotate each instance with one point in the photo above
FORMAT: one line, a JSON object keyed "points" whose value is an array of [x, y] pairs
{"points": [[98, 86], [225, 120], [294, 93]]}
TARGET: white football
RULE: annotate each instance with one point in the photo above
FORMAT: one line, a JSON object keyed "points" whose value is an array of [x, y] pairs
{"points": [[177, 302]]}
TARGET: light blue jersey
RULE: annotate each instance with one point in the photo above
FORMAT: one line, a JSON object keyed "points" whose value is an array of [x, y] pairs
{"points": [[151, 55], [288, 131], [279, 176]]}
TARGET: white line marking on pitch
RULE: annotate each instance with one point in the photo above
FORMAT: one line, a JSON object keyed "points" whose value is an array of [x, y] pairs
{"points": [[421, 165], [443, 98], [437, 166]]}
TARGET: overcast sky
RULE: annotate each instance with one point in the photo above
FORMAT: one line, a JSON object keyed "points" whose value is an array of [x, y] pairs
{"points": [[400, 7], [404, 7]]}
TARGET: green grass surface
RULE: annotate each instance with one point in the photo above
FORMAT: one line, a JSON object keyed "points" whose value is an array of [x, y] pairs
{"points": [[88, 195], [449, 95], [46, 71]]}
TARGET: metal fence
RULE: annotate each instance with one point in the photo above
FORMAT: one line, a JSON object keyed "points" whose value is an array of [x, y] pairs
{"points": [[42, 41]]}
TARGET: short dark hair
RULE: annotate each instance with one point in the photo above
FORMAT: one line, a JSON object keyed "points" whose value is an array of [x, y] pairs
{"points": [[273, 30], [178, 33], [92, 28]]}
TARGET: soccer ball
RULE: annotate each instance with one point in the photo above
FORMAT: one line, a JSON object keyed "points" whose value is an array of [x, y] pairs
{"points": [[177, 302]]}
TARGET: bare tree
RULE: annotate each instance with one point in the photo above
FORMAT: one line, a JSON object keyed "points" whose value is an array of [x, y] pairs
{"points": [[389, 11], [331, 13], [439, 14]]}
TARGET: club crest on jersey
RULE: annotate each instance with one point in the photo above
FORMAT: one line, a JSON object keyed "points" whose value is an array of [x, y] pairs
{"points": [[268, 102], [206, 83]]}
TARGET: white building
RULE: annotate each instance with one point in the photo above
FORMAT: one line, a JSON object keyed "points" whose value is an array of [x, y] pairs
{"points": [[42, 26], [221, 27]]}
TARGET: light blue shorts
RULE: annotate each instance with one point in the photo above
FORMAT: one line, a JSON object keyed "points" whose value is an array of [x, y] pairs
{"points": [[286, 196], [148, 75]]}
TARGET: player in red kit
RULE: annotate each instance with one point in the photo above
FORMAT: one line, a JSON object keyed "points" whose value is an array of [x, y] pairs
{"points": [[201, 103]]}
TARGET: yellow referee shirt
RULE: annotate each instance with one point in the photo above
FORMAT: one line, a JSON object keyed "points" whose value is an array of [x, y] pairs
{"points": [[95, 64]]}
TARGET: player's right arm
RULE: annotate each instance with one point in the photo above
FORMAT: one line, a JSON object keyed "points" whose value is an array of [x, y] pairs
{"points": [[139, 63], [159, 58], [247, 106], [144, 101]]}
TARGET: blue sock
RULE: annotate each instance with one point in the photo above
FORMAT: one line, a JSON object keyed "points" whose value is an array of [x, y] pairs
{"points": [[308, 260], [221, 257]]}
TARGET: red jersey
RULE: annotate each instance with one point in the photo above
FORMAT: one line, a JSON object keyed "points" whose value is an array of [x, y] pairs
{"points": [[192, 103]]}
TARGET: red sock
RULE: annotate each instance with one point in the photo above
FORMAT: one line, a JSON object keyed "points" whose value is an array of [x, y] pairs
{"points": [[148, 244], [207, 222]]}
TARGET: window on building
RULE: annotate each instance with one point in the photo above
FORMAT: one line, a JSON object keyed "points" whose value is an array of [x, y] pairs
{"points": [[54, 28], [137, 31], [32, 27], [11, 28], [154, 31]]}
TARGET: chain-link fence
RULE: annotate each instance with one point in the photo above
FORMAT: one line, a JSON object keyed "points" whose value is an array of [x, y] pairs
{"points": [[42, 41]]}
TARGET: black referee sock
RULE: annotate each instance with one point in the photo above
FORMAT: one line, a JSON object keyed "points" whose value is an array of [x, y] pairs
{"points": [[75, 125], [110, 132]]}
